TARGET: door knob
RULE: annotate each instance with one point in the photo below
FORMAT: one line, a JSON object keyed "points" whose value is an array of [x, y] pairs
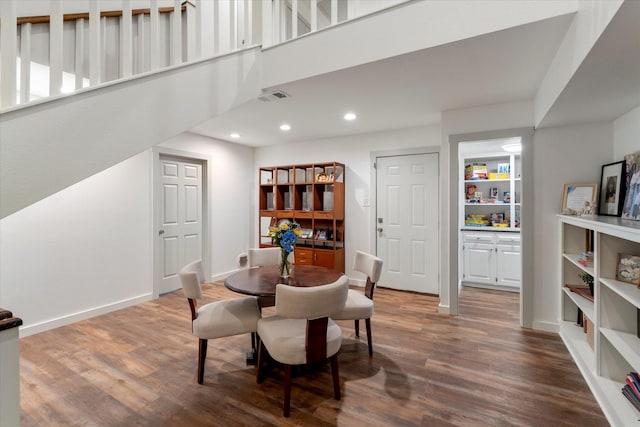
{"points": [[379, 229], [161, 232]]}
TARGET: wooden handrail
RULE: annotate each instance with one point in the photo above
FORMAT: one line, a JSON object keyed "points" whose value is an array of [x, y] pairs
{"points": [[7, 321], [45, 19]]}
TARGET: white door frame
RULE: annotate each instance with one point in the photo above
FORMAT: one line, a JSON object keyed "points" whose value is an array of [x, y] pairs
{"points": [[157, 206], [526, 216], [374, 155]]}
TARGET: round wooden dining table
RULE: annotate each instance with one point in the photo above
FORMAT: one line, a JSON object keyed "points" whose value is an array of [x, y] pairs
{"points": [[262, 281]]}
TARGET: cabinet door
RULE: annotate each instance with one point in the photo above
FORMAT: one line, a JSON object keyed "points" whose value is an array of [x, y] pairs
{"points": [[303, 256], [479, 263], [508, 266], [324, 258]]}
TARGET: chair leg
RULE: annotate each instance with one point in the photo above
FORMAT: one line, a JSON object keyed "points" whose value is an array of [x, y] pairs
{"points": [[286, 410], [368, 324], [336, 376], [357, 327], [202, 356], [261, 356]]}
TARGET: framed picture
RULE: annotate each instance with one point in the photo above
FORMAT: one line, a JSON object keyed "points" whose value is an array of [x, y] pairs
{"points": [[628, 268], [579, 199], [611, 189], [631, 207]]}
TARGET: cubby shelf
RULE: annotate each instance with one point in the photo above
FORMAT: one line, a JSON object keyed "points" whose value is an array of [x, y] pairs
{"points": [[616, 345], [313, 196]]}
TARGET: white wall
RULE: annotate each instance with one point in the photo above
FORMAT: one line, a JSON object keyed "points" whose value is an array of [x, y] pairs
{"points": [[88, 249], [354, 152], [563, 155], [80, 251], [626, 134], [231, 187]]}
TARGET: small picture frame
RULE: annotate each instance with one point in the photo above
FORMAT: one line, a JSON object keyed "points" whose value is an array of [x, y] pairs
{"points": [[494, 192], [612, 189], [628, 269], [631, 207], [578, 199]]}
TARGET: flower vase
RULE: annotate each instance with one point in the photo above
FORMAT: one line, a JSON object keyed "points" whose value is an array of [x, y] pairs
{"points": [[285, 265]]}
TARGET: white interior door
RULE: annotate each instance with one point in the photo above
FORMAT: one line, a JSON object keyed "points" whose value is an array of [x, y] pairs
{"points": [[407, 221], [180, 224]]}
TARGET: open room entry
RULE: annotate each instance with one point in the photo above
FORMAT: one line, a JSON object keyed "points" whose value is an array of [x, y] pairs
{"points": [[489, 243], [406, 220]]}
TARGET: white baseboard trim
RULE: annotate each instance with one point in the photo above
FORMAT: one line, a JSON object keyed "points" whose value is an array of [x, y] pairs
{"points": [[444, 309], [27, 330], [546, 326]]}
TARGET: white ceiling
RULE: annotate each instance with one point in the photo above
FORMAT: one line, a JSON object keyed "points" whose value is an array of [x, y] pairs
{"points": [[411, 90]]}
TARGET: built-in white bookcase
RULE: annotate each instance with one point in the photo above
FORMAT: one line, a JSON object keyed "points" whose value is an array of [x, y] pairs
{"points": [[616, 346]]}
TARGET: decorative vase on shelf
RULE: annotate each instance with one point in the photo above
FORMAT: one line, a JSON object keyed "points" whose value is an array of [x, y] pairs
{"points": [[285, 265]]}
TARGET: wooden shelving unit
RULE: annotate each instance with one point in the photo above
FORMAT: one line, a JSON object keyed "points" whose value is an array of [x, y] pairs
{"points": [[313, 196], [614, 311]]}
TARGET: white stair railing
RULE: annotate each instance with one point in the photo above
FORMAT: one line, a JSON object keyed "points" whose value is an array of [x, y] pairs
{"points": [[98, 46]]}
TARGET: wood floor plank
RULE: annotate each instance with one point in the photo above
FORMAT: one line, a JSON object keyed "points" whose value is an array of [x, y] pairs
{"points": [[137, 367]]}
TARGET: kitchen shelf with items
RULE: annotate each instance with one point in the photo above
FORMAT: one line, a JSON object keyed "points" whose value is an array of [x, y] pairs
{"points": [[491, 192], [610, 349], [312, 195]]}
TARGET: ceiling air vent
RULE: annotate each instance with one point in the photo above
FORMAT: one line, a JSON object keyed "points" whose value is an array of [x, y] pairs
{"points": [[273, 96]]}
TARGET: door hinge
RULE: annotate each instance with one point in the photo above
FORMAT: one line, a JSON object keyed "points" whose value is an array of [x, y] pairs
{"points": [[375, 165]]}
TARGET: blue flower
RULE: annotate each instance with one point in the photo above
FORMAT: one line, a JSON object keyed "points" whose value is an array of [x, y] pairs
{"points": [[289, 239]]}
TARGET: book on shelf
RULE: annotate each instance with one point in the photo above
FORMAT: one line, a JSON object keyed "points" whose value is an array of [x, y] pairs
{"points": [[586, 259], [631, 389]]}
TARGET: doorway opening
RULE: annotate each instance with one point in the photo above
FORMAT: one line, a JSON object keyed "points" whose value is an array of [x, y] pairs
{"points": [[488, 237]]}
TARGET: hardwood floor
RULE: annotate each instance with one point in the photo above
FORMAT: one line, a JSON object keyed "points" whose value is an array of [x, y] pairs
{"points": [[137, 367]]}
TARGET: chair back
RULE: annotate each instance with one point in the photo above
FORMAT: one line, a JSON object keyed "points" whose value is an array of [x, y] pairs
{"points": [[260, 257], [191, 278], [371, 266], [311, 303]]}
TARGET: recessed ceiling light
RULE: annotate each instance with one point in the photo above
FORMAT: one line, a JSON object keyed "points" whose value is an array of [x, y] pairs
{"points": [[235, 135], [285, 127], [512, 148], [350, 116]]}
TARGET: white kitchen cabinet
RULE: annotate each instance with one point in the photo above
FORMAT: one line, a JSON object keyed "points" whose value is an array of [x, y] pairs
{"points": [[491, 259]]}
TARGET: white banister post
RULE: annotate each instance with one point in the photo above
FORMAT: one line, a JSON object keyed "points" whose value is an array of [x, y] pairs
{"points": [[8, 53], [9, 367], [176, 33], [294, 19], [267, 23], [198, 12], [153, 35], [248, 23], [126, 40], [94, 43], [314, 15], [190, 32], [79, 57], [334, 12], [55, 47], [25, 62], [239, 24], [277, 23], [141, 48]]}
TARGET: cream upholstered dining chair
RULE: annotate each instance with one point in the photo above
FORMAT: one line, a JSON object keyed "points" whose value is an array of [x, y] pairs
{"points": [[259, 257], [217, 319], [359, 305], [301, 331]]}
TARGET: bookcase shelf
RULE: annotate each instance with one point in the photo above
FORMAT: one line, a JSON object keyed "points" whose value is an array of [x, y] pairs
{"points": [[313, 196], [613, 313]]}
